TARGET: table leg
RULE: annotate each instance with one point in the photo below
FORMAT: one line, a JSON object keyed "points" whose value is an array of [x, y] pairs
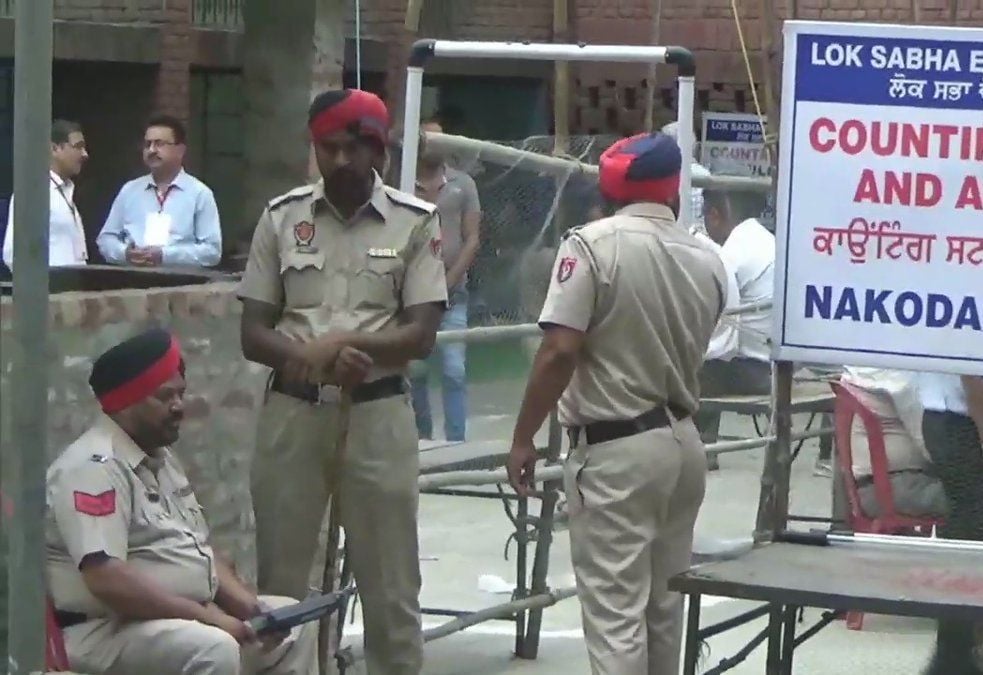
{"points": [[775, 622], [788, 640], [692, 651]]}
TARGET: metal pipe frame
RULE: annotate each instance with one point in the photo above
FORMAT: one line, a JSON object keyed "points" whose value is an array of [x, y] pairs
{"points": [[424, 51]]}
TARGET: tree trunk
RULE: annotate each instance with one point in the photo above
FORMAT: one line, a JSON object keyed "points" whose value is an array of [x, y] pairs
{"points": [[290, 51]]}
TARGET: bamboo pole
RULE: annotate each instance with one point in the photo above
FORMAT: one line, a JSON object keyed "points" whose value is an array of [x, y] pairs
{"points": [[352, 655], [561, 80], [953, 11], [476, 477], [656, 36], [916, 11], [559, 166], [775, 473], [414, 9]]}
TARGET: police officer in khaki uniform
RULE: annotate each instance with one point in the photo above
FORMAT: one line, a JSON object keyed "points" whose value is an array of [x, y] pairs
{"points": [[136, 586], [344, 286], [630, 310]]}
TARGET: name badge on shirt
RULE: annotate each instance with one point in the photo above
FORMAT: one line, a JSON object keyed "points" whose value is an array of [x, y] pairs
{"points": [[157, 229], [383, 253]]}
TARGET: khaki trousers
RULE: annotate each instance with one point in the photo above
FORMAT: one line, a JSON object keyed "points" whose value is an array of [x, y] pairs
{"points": [[296, 444], [633, 504], [178, 647]]}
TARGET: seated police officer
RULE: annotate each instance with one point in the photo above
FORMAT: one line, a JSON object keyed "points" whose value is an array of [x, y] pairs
{"points": [[136, 586]]}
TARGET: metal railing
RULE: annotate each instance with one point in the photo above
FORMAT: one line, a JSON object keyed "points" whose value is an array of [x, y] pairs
{"points": [[216, 14]]}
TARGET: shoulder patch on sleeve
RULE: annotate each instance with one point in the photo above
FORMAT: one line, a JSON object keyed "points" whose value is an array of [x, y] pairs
{"points": [[410, 201], [292, 196], [99, 505]]}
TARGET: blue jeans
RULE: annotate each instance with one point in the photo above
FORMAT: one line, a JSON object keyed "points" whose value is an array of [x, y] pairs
{"points": [[454, 379]]}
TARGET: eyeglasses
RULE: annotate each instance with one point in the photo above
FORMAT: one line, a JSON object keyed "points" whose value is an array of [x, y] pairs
{"points": [[157, 143]]}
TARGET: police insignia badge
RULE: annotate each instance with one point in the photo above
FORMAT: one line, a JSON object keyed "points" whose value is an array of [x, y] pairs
{"points": [[304, 234], [435, 247], [565, 270]]}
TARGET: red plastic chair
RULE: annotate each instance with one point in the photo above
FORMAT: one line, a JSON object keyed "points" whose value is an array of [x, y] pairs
{"points": [[55, 656], [849, 405]]}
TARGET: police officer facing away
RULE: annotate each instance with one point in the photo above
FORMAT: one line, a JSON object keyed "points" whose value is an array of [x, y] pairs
{"points": [[344, 286], [136, 585], [632, 304]]}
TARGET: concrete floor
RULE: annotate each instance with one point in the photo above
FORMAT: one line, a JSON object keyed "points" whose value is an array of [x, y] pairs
{"points": [[463, 539]]}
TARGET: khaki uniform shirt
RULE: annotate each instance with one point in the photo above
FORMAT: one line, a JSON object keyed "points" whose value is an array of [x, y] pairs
{"points": [[648, 295], [328, 274], [105, 494]]}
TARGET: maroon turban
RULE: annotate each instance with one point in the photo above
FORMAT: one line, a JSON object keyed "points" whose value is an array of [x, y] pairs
{"points": [[354, 110]]}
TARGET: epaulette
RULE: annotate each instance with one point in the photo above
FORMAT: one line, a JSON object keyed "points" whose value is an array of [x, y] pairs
{"points": [[292, 196], [411, 201], [571, 231]]}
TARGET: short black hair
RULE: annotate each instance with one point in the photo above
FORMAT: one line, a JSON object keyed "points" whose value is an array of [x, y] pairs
{"points": [[740, 204], [62, 129], [169, 122]]}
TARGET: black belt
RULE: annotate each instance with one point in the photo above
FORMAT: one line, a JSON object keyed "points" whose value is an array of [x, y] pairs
{"points": [[68, 619], [384, 387], [602, 432]]}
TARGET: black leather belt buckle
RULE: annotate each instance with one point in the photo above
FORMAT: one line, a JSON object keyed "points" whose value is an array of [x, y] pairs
{"points": [[385, 387]]}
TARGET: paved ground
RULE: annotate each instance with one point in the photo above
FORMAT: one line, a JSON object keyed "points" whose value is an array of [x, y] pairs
{"points": [[464, 539]]}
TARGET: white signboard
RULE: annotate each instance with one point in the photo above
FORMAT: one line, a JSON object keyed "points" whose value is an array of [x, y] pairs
{"points": [[733, 145], [880, 199]]}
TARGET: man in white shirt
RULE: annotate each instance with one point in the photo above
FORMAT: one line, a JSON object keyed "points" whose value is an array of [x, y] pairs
{"points": [[696, 170], [738, 361], [953, 432], [66, 244]]}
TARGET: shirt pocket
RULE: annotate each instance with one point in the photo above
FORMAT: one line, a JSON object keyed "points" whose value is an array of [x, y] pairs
{"points": [[303, 280], [378, 284]]}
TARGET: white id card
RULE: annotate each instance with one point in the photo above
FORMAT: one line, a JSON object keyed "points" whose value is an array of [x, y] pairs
{"points": [[157, 229]]}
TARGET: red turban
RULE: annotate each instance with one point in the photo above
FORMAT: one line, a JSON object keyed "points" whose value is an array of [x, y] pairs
{"points": [[133, 370], [642, 168], [348, 110]]}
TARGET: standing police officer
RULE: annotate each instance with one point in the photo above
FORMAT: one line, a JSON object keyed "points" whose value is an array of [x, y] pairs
{"points": [[630, 310], [344, 286]]}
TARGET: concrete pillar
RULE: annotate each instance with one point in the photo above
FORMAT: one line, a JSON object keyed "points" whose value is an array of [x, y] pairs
{"points": [[290, 51]]}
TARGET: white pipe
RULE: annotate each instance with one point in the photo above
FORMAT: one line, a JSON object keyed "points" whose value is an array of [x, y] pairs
{"points": [[549, 52], [687, 88], [411, 129]]}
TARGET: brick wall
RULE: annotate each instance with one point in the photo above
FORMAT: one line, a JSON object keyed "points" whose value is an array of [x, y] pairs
{"points": [[176, 53], [173, 79], [224, 391], [383, 20], [612, 99]]}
